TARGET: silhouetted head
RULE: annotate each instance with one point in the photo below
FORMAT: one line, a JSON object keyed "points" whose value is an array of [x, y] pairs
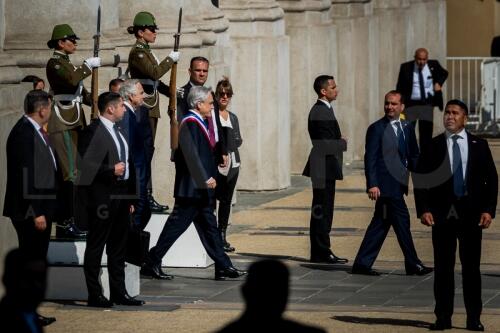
{"points": [[24, 279], [266, 288]]}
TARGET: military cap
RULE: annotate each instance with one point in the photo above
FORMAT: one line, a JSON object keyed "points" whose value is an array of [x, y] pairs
{"points": [[61, 31], [143, 19]]}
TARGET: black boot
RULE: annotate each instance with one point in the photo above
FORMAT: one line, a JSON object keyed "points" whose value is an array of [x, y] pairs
{"points": [[67, 229], [154, 205], [225, 243]]}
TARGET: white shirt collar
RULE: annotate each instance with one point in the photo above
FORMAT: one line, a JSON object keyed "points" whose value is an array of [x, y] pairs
{"points": [[106, 122], [326, 103], [129, 106], [462, 134], [33, 122]]}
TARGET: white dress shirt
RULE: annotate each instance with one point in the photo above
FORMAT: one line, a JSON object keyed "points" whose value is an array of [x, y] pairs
{"points": [[37, 129], [462, 144], [108, 124], [428, 87], [326, 103], [394, 124]]}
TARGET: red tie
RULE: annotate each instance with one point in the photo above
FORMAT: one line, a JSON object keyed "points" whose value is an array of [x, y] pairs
{"points": [[211, 132], [45, 136]]}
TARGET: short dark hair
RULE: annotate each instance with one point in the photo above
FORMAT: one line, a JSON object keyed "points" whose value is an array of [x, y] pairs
{"points": [[224, 86], [198, 58], [460, 103], [34, 100], [396, 92], [115, 82], [107, 98], [321, 82]]}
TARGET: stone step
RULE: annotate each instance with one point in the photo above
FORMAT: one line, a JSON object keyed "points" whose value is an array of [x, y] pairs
{"points": [[67, 282], [187, 251]]}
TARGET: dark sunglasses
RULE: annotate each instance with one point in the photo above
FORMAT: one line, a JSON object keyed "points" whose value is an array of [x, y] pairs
{"points": [[226, 94], [151, 28], [72, 40]]}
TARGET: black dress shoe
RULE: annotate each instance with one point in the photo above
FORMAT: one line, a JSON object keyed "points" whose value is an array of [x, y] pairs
{"points": [[69, 230], [331, 259], [99, 302], [440, 325], [155, 206], [155, 272], [419, 270], [228, 273], [474, 325], [357, 269], [126, 299], [45, 321]]}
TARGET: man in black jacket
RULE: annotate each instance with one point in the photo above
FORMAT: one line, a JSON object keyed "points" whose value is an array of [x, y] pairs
{"points": [[324, 166], [456, 193], [420, 81]]}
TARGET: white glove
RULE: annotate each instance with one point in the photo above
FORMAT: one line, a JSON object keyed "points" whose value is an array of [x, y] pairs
{"points": [[93, 62], [174, 55], [180, 92]]}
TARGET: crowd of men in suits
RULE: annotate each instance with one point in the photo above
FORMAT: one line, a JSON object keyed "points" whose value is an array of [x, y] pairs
{"points": [[454, 178]]}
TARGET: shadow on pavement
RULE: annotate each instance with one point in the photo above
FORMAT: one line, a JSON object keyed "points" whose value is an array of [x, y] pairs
{"points": [[382, 321]]}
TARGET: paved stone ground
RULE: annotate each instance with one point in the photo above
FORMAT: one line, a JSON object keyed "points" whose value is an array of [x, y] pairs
{"points": [[275, 225]]}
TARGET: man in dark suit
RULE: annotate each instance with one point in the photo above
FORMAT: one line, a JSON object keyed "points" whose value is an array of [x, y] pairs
{"points": [[136, 128], [198, 74], [108, 174], [33, 179], [324, 166], [194, 191], [420, 81], [391, 152], [456, 193]]}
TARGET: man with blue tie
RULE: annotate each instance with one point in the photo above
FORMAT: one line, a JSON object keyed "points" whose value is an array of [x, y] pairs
{"points": [[456, 192], [391, 152]]}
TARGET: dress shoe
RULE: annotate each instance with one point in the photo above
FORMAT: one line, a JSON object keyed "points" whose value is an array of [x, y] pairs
{"points": [[228, 273], [440, 325], [357, 269], [155, 206], [99, 302], [419, 270], [475, 325], [45, 321], [225, 244], [330, 259], [69, 230], [155, 272], [126, 299]]}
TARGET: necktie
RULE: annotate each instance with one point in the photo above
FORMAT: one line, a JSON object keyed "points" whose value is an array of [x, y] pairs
{"points": [[211, 132], [458, 177], [401, 143], [45, 136], [423, 97], [122, 153]]}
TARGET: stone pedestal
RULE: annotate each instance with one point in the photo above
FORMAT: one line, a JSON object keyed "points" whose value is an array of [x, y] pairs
{"points": [[260, 71]]}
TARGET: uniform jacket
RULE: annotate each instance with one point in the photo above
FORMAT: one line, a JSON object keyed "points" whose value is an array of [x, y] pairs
{"points": [[99, 155], [32, 180], [383, 166], [405, 80], [325, 158], [142, 64], [434, 187], [64, 79], [194, 162]]}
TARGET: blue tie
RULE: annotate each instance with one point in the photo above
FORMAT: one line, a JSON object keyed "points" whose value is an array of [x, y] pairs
{"points": [[401, 143], [123, 154], [458, 178]]}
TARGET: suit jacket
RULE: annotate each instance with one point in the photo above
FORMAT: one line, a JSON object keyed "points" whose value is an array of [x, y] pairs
{"points": [[434, 184], [383, 166], [182, 110], [136, 129], [325, 158], [99, 155], [194, 162], [32, 180], [405, 80]]}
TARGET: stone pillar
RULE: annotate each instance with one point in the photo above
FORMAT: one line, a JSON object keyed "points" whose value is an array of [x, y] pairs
{"points": [[357, 77], [312, 53], [204, 33], [260, 73], [2, 23]]}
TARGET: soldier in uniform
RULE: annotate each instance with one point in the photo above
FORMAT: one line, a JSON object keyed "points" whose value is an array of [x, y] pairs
{"points": [[67, 119], [145, 66]]}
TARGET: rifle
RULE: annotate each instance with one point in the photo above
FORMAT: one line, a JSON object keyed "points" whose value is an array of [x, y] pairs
{"points": [[172, 102], [95, 73]]}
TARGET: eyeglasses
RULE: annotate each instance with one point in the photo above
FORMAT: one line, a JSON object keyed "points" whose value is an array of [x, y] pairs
{"points": [[72, 40], [151, 28], [226, 94]]}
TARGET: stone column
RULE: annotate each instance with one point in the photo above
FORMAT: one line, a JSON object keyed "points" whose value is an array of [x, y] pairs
{"points": [[260, 73], [357, 63], [312, 53]]}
